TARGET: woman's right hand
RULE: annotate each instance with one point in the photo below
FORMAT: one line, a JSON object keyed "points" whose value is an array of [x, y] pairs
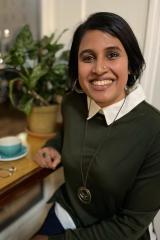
{"points": [[47, 157]]}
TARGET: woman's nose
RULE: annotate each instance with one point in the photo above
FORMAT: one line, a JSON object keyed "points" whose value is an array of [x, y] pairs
{"points": [[100, 67]]}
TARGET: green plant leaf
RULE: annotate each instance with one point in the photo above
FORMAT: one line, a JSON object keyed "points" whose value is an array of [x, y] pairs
{"points": [[24, 39], [26, 106], [42, 67], [25, 102], [32, 76], [11, 91]]}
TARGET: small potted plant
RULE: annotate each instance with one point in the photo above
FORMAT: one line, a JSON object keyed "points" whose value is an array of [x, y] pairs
{"points": [[40, 67]]}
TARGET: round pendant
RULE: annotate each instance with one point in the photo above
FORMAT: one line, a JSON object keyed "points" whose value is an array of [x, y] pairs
{"points": [[84, 195]]}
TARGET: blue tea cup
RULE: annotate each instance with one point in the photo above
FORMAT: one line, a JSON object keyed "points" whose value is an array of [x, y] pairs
{"points": [[10, 146]]}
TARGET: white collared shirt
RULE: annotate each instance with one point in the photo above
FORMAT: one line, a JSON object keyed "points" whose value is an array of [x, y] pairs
{"points": [[135, 97]]}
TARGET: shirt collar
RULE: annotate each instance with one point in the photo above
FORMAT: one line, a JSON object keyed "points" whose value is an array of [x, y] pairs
{"points": [[135, 97]]}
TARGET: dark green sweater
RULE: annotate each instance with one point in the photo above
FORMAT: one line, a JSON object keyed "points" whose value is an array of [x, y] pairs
{"points": [[124, 178]]}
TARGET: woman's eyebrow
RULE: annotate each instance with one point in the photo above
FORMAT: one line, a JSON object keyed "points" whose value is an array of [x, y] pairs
{"points": [[86, 51], [90, 51], [113, 48]]}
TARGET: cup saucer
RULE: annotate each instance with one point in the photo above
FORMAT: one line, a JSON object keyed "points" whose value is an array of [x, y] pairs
{"points": [[23, 152]]}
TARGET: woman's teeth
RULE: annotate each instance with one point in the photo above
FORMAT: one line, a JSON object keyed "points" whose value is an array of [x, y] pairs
{"points": [[102, 82]]}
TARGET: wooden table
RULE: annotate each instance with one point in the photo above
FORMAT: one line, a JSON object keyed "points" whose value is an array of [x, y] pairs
{"points": [[23, 186], [26, 169]]}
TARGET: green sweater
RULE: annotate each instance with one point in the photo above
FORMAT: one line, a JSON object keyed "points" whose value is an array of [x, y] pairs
{"points": [[124, 178]]}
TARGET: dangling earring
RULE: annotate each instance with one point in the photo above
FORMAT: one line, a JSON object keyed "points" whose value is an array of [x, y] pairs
{"points": [[126, 89], [75, 88]]}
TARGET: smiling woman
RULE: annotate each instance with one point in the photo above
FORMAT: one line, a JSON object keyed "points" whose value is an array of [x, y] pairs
{"points": [[112, 163], [103, 67]]}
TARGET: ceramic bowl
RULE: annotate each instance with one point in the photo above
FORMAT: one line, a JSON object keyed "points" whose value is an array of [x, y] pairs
{"points": [[10, 146]]}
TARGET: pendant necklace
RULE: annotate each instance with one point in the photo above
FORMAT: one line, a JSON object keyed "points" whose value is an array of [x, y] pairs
{"points": [[84, 193]]}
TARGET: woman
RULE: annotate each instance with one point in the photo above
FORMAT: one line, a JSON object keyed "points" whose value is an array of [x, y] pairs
{"points": [[110, 142]]}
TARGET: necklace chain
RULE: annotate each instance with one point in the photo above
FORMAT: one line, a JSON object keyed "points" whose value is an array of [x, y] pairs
{"points": [[84, 193]]}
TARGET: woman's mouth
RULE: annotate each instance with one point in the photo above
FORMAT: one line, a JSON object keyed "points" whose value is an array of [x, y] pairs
{"points": [[101, 82]]}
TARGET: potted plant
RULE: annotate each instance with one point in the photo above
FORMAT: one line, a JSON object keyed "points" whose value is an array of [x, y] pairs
{"points": [[40, 67]]}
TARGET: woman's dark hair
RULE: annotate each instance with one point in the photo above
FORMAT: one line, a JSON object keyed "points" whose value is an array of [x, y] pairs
{"points": [[117, 27]]}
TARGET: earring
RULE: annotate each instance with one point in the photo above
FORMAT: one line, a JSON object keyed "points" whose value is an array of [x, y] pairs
{"points": [[126, 88], [75, 88]]}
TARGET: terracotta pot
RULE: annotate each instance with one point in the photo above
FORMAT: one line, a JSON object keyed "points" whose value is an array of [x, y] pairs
{"points": [[43, 119]]}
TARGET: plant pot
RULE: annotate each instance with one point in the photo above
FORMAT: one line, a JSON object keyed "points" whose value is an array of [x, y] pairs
{"points": [[43, 120]]}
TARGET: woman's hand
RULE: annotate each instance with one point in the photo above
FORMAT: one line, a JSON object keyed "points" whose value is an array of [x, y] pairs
{"points": [[47, 157]]}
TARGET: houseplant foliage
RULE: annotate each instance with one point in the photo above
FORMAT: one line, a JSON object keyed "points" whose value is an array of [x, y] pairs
{"points": [[40, 70]]}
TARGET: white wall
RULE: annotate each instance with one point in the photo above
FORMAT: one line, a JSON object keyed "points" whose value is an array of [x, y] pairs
{"points": [[150, 78], [68, 14], [16, 13]]}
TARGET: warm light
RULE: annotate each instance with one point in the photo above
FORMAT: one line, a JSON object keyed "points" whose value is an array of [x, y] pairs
{"points": [[6, 33]]}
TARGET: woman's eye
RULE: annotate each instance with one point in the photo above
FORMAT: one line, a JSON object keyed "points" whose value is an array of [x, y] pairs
{"points": [[112, 55], [88, 58]]}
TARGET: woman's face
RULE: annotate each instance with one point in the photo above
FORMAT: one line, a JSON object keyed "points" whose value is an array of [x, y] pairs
{"points": [[102, 67]]}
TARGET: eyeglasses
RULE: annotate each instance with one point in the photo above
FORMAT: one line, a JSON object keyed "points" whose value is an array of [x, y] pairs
{"points": [[7, 172]]}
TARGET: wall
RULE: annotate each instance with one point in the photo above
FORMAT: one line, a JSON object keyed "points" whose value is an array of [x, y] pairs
{"points": [[14, 14], [68, 15], [150, 78]]}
